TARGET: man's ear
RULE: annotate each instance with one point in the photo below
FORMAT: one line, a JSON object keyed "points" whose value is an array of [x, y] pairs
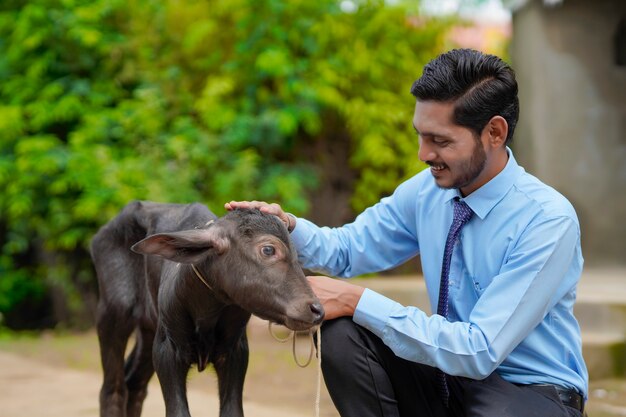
{"points": [[189, 246], [496, 130]]}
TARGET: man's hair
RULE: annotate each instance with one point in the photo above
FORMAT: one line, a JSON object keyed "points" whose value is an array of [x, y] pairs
{"points": [[480, 85]]}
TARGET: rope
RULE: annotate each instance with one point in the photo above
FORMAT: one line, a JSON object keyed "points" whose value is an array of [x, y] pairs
{"points": [[199, 275], [319, 371], [292, 336]]}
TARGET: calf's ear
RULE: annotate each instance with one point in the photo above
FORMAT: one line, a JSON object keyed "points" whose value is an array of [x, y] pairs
{"points": [[188, 246]]}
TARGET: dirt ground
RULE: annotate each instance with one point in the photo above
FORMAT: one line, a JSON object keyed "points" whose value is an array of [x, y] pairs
{"points": [[56, 375], [60, 376]]}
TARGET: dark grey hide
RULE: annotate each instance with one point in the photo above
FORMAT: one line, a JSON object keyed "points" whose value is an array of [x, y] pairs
{"points": [[248, 261]]}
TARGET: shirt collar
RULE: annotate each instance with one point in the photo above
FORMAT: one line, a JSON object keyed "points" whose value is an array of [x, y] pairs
{"points": [[486, 197]]}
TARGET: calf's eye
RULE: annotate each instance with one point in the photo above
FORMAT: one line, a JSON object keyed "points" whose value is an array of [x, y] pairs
{"points": [[268, 250]]}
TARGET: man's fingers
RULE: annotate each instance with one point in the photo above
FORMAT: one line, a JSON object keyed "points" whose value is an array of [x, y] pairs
{"points": [[235, 205], [244, 205], [273, 208], [338, 297]]}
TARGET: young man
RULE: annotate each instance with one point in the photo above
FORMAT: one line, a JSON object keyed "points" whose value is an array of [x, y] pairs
{"points": [[501, 258]]}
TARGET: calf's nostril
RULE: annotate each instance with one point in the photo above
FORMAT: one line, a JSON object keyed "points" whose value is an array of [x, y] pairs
{"points": [[318, 312]]}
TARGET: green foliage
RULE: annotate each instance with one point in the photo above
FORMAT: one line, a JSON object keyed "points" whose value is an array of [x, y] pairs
{"points": [[107, 101]]}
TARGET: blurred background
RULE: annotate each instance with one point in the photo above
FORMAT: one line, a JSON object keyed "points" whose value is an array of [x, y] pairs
{"points": [[107, 101], [304, 103]]}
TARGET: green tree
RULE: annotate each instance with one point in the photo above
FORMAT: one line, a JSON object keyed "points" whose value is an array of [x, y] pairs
{"points": [[106, 101]]}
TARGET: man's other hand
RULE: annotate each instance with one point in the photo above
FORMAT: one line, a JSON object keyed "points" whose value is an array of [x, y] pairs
{"points": [[338, 297]]}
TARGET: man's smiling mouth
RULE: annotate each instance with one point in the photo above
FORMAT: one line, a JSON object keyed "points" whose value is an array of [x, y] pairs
{"points": [[437, 167]]}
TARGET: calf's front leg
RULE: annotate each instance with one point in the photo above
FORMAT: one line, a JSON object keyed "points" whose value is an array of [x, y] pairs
{"points": [[231, 366], [172, 374]]}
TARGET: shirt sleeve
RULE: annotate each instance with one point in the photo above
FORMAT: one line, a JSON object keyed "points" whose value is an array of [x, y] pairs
{"points": [[380, 238], [529, 284]]}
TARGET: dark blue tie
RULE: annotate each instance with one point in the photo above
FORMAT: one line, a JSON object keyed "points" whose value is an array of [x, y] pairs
{"points": [[462, 214]]}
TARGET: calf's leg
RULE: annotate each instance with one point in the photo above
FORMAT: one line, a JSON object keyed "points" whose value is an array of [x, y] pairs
{"points": [[139, 369], [113, 333], [231, 367], [172, 373]]}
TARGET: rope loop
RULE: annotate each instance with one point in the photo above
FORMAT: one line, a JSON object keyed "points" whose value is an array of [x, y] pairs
{"points": [[292, 336], [279, 339]]}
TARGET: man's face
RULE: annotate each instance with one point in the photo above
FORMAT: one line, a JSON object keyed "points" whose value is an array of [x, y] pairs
{"points": [[456, 157]]}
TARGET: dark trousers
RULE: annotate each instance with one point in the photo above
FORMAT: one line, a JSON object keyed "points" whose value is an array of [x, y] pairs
{"points": [[366, 379]]}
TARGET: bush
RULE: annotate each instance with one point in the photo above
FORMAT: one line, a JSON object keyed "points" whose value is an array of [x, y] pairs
{"points": [[106, 101]]}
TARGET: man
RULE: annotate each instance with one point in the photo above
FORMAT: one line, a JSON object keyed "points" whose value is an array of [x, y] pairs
{"points": [[501, 258]]}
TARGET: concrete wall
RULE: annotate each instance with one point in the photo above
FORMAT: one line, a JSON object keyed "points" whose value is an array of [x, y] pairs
{"points": [[572, 129]]}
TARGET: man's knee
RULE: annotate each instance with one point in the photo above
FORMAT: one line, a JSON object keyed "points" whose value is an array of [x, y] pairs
{"points": [[340, 337]]}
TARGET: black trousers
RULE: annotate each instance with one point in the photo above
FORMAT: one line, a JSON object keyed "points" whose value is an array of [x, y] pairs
{"points": [[366, 379]]}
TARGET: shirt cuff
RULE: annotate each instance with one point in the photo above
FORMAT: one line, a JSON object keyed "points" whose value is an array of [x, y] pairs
{"points": [[301, 233], [373, 311]]}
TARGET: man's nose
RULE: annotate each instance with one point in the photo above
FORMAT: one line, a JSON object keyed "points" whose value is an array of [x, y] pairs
{"points": [[425, 152]]}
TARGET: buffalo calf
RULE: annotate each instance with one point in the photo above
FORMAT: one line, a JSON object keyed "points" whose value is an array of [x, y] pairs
{"points": [[186, 282]]}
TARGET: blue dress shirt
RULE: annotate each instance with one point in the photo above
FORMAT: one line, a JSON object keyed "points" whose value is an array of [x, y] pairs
{"points": [[512, 285]]}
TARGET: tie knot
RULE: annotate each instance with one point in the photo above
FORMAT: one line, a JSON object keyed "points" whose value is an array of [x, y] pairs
{"points": [[462, 212]]}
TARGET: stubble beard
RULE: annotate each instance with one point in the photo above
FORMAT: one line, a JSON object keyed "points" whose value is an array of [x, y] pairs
{"points": [[470, 169]]}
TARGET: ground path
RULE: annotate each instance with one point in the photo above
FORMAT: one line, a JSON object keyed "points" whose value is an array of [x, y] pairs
{"points": [[60, 377], [33, 383]]}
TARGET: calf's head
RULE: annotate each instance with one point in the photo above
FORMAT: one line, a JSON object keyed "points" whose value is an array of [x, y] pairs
{"points": [[248, 256]]}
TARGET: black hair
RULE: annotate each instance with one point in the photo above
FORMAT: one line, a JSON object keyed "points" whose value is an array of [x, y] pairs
{"points": [[480, 85]]}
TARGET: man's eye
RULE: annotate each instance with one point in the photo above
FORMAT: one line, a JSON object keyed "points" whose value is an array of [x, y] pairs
{"points": [[268, 250]]}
